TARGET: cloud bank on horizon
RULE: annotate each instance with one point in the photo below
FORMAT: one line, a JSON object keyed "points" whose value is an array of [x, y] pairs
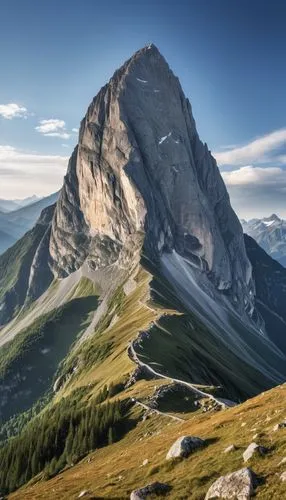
{"points": [[23, 172], [255, 175]]}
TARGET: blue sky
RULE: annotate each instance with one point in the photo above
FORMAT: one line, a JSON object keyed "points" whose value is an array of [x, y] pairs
{"points": [[229, 56]]}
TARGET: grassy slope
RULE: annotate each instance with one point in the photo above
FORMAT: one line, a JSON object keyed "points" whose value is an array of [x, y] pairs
{"points": [[132, 315], [114, 471]]}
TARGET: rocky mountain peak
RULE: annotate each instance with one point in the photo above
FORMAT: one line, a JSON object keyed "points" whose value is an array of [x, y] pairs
{"points": [[272, 217], [140, 168]]}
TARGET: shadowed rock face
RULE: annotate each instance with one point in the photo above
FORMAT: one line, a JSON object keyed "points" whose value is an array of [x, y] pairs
{"points": [[140, 166]]}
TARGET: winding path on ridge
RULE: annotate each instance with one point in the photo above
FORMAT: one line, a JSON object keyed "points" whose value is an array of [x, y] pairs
{"points": [[224, 403], [154, 410]]}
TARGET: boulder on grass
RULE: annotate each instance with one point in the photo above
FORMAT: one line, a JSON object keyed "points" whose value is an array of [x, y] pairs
{"points": [[151, 489], [253, 449], [184, 446], [237, 485], [281, 425]]}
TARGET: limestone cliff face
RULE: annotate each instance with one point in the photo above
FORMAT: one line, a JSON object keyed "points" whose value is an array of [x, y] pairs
{"points": [[140, 166]]}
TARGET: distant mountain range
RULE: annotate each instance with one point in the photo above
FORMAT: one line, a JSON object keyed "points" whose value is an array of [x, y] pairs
{"points": [[14, 224], [11, 205], [270, 234]]}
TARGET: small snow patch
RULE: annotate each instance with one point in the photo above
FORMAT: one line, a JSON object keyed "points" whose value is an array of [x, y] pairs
{"points": [[164, 138], [142, 81], [268, 223]]}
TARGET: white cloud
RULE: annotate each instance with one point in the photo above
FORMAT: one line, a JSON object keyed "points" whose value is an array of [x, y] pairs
{"points": [[12, 110], [24, 173], [75, 130], [260, 150], [53, 128], [256, 191], [257, 176]]}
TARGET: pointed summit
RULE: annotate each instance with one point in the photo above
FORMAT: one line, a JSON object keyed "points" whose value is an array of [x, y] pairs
{"points": [[273, 217], [141, 168]]}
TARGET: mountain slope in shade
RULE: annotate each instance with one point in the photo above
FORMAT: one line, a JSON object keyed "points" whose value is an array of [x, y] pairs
{"points": [[6, 241], [8, 205], [17, 222], [270, 279], [270, 234]]}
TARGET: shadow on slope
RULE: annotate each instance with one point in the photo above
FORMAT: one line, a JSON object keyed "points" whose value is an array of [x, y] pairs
{"points": [[30, 361]]}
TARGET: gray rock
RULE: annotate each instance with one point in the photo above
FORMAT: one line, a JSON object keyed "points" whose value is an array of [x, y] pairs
{"points": [[283, 476], [237, 485], [184, 446], [253, 449], [151, 489]]}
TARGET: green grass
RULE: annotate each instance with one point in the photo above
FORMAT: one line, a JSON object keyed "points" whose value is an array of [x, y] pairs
{"points": [[84, 288]]}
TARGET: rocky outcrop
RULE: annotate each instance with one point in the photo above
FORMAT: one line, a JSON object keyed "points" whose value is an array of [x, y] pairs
{"points": [[237, 485], [184, 446]]}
